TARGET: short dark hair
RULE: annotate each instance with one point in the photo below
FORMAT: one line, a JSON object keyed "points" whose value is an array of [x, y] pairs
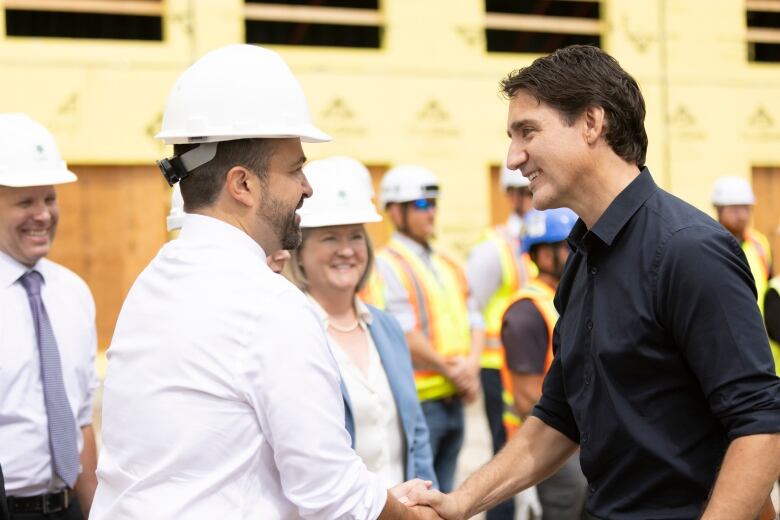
{"points": [[201, 188], [580, 76]]}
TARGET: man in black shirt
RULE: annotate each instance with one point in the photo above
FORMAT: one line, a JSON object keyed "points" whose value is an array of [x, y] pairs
{"points": [[662, 372]]}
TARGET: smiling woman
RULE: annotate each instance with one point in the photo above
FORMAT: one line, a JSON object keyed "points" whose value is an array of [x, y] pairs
{"points": [[332, 264]]}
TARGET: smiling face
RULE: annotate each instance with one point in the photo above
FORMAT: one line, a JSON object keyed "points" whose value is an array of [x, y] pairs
{"points": [[334, 257], [550, 153], [28, 222]]}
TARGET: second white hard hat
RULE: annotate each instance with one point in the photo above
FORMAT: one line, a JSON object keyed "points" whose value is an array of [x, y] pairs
{"points": [[513, 178], [406, 183], [342, 194], [29, 155], [732, 191], [237, 92]]}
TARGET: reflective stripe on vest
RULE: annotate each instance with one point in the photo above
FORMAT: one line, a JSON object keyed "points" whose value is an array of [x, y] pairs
{"points": [[516, 270], [757, 251], [439, 303], [541, 295], [774, 283]]}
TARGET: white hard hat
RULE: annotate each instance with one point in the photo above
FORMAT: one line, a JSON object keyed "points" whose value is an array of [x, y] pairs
{"points": [[406, 183], [513, 178], [29, 155], [176, 215], [342, 194], [732, 191], [237, 92]]}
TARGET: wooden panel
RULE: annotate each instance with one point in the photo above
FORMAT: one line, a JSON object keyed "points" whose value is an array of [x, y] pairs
{"points": [[121, 7], [766, 214], [499, 205], [378, 231], [312, 14], [112, 224]]}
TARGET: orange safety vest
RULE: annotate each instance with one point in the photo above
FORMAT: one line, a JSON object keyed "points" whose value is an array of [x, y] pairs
{"points": [[439, 303], [759, 256], [541, 295], [516, 270]]}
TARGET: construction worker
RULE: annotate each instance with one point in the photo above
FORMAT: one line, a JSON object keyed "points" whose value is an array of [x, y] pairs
{"points": [[662, 375], [526, 333], [733, 199], [427, 293], [222, 398], [48, 340], [495, 270], [276, 261], [333, 262]]}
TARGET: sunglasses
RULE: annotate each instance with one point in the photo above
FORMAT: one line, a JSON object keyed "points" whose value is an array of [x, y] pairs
{"points": [[423, 204]]}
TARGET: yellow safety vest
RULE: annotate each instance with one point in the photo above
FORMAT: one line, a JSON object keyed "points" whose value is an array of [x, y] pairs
{"points": [[541, 295], [439, 303], [774, 283], [374, 290], [759, 257], [516, 270]]}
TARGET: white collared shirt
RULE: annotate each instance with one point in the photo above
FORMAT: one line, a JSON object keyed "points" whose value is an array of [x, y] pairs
{"points": [[378, 438], [222, 397], [24, 436]]}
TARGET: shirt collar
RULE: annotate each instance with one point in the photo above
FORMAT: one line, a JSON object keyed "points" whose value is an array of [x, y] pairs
{"points": [[11, 269], [201, 228], [413, 246], [618, 213], [363, 313]]}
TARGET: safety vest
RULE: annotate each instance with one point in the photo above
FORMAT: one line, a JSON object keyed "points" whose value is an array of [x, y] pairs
{"points": [[374, 290], [759, 257], [439, 303], [774, 283], [516, 270], [541, 295]]}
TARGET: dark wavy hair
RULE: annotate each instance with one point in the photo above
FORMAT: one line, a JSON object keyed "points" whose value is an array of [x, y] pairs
{"points": [[580, 76]]}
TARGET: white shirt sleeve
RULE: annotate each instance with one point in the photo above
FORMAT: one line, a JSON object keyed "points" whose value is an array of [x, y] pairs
{"points": [[90, 380], [396, 298], [483, 271], [292, 380]]}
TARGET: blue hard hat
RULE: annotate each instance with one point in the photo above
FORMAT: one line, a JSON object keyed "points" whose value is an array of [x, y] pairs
{"points": [[547, 227]]}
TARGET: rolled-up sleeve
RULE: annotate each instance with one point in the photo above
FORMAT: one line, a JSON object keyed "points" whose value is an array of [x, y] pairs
{"points": [[295, 388], [706, 294]]}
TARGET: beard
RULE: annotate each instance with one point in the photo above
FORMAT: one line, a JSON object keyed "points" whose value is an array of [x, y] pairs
{"points": [[282, 222]]}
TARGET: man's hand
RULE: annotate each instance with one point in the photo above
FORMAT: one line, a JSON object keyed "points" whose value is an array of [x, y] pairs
{"points": [[401, 491], [446, 506], [425, 513], [461, 372]]}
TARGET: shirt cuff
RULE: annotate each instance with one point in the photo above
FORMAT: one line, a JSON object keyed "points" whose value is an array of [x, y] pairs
{"points": [[554, 421], [758, 421]]}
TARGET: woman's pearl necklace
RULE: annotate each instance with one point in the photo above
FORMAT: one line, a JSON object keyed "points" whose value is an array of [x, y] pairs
{"points": [[344, 329]]}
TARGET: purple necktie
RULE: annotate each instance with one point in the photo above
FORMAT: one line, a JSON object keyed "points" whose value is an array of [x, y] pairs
{"points": [[62, 425]]}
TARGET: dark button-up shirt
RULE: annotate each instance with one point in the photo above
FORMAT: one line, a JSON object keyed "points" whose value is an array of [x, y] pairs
{"points": [[661, 355]]}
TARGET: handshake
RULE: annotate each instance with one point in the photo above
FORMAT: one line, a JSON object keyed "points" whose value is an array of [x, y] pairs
{"points": [[424, 503]]}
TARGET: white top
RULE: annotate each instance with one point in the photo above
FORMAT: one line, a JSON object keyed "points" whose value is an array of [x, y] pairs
{"points": [[378, 431], [24, 436], [222, 398]]}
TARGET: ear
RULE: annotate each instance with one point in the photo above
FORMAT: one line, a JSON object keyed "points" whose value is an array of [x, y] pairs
{"points": [[242, 185], [594, 121], [394, 211]]}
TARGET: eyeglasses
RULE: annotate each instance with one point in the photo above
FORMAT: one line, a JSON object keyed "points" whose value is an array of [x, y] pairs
{"points": [[423, 204]]}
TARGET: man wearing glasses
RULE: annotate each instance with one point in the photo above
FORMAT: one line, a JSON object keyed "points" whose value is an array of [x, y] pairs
{"points": [[427, 292]]}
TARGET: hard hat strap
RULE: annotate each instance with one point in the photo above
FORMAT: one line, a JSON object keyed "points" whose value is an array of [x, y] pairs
{"points": [[178, 167]]}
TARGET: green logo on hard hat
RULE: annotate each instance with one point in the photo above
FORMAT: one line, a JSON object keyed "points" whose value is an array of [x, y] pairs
{"points": [[342, 194], [39, 148]]}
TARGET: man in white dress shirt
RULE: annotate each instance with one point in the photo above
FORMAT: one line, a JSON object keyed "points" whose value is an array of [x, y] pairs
{"points": [[222, 398], [47, 338]]}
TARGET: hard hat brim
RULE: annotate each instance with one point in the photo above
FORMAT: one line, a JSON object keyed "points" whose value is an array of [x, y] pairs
{"points": [[38, 178], [317, 221], [307, 134]]}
